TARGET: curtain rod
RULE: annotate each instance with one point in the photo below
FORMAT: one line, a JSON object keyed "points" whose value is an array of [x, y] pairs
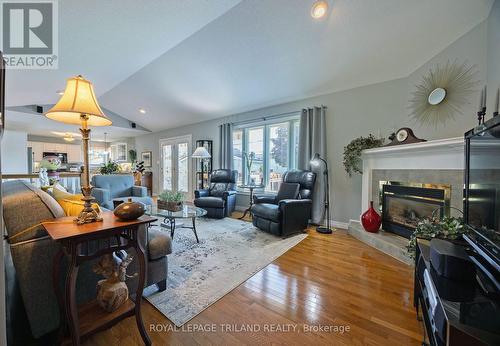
{"points": [[270, 117]]}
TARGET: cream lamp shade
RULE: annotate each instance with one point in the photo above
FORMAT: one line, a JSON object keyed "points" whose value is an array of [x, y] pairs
{"points": [[78, 99], [201, 153]]}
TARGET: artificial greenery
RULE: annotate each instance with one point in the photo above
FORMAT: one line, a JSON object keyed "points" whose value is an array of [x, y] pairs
{"points": [[170, 196], [50, 164], [132, 155], [109, 168], [352, 152], [139, 167], [449, 227]]}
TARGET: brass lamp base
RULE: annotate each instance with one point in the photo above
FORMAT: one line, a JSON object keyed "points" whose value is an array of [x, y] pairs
{"points": [[88, 214]]}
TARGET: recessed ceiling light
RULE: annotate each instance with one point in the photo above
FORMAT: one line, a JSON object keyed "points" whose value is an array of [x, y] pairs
{"points": [[60, 92], [319, 9], [142, 111]]}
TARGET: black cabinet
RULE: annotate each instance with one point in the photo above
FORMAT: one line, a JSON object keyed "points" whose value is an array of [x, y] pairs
{"points": [[453, 312], [204, 166]]}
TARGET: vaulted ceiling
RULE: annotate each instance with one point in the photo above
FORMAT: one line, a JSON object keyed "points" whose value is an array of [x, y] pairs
{"points": [[192, 60]]}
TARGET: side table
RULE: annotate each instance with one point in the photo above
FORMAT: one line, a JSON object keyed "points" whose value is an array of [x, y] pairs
{"points": [[251, 188], [87, 319]]}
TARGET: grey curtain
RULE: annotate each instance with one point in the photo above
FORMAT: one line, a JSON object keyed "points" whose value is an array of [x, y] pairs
{"points": [[312, 140], [226, 146]]}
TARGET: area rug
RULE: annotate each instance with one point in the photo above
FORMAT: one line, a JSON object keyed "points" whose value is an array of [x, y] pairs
{"points": [[230, 251]]}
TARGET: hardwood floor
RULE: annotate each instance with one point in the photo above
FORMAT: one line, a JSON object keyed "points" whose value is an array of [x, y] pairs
{"points": [[326, 280]]}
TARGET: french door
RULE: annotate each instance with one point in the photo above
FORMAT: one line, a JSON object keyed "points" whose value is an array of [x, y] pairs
{"points": [[175, 165]]}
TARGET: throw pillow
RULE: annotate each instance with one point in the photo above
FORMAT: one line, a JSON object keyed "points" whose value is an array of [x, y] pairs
{"points": [[71, 204]]}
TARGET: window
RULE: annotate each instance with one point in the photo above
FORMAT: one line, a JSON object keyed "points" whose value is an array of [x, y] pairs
{"points": [[97, 154], [278, 154], [119, 152], [262, 153], [254, 156]]}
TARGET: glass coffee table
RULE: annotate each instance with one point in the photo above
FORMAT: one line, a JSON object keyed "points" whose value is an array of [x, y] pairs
{"points": [[170, 217]]}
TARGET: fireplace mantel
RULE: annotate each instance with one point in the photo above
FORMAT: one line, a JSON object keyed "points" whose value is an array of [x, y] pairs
{"points": [[439, 161], [437, 154]]}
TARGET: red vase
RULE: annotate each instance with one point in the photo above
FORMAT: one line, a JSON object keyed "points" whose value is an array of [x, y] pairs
{"points": [[371, 220]]}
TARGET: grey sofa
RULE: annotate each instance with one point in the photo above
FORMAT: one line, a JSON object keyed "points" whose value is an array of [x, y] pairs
{"points": [[32, 254], [118, 186]]}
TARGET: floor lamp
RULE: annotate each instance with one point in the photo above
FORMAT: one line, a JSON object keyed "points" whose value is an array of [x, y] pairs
{"points": [[316, 162], [78, 106], [202, 154]]}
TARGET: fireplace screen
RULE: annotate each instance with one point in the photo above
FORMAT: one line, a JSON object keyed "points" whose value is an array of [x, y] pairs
{"points": [[404, 205]]}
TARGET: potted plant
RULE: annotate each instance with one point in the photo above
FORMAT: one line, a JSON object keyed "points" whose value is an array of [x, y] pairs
{"points": [[51, 164], [171, 201], [132, 155], [138, 171], [110, 167], [448, 227], [352, 152]]}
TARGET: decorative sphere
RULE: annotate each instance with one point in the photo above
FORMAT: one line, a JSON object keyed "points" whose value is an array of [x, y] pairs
{"points": [[129, 210]]}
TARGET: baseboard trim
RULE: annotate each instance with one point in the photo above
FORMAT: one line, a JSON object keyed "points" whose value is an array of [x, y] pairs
{"points": [[333, 223], [339, 224]]}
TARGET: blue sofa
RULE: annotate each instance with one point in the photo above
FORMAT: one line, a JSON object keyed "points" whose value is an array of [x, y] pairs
{"points": [[120, 187]]}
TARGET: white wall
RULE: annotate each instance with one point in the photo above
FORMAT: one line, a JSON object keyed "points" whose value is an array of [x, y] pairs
{"points": [[14, 152], [378, 109]]}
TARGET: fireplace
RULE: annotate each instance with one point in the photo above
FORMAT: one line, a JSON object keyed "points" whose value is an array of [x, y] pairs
{"points": [[404, 204]]}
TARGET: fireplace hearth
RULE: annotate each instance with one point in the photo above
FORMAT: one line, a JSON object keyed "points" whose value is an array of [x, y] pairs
{"points": [[404, 204]]}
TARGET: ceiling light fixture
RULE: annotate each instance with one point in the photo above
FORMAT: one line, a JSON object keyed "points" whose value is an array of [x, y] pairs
{"points": [[68, 137], [319, 9], [60, 92], [142, 111]]}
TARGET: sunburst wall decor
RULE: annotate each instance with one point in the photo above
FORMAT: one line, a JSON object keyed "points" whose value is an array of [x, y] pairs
{"points": [[442, 93]]}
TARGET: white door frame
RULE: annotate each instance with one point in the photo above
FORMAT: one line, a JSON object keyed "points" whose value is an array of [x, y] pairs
{"points": [[176, 140]]}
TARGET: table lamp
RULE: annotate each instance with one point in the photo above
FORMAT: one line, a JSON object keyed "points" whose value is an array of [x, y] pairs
{"points": [[78, 106], [316, 162], [201, 153]]}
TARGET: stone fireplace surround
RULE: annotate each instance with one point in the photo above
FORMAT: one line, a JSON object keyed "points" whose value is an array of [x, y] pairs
{"points": [[436, 162]]}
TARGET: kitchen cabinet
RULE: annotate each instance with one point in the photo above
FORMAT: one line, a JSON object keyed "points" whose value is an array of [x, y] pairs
{"points": [[37, 148], [74, 151]]}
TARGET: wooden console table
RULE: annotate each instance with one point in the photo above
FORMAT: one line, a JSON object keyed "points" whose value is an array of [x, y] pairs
{"points": [[87, 319]]}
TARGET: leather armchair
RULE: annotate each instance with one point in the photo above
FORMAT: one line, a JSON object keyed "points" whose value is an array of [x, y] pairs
{"points": [[219, 200], [282, 215]]}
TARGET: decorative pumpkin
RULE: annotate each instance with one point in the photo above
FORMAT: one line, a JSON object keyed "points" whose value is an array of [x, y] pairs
{"points": [[129, 210]]}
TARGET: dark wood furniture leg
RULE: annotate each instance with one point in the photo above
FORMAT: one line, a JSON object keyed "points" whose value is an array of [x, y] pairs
{"points": [[162, 285], [194, 229], [56, 280], [70, 295], [249, 207], [172, 227], [140, 288]]}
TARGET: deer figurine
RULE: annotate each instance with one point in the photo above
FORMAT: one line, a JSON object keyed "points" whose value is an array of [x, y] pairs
{"points": [[112, 292]]}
